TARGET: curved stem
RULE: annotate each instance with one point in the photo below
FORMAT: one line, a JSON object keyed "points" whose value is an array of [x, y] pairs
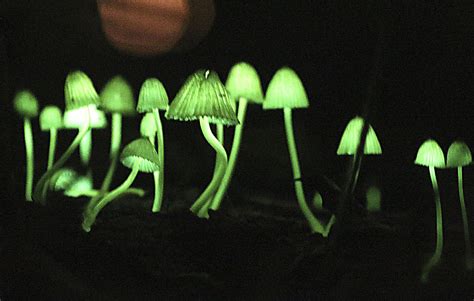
{"points": [[314, 223], [42, 185], [30, 161], [85, 148], [159, 177], [91, 215], [203, 201], [467, 241], [439, 229], [220, 133], [234, 153], [53, 134], [115, 140]]}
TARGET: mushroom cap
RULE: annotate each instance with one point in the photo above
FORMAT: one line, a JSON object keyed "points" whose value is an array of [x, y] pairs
{"points": [[430, 154], [285, 90], [75, 118], [79, 91], [63, 179], [148, 125], [152, 96], [243, 81], [26, 104], [143, 152], [351, 137], [50, 117], [459, 155], [203, 95], [117, 97]]}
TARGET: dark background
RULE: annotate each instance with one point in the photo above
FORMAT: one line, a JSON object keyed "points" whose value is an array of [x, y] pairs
{"points": [[424, 89]]}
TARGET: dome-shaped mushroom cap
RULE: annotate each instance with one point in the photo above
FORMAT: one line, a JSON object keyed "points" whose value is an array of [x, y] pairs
{"points": [[148, 125], [243, 81], [152, 96], [143, 152], [285, 90], [26, 104], [79, 91], [203, 95], [351, 137], [459, 155], [76, 118], [117, 97], [430, 154], [50, 118]]}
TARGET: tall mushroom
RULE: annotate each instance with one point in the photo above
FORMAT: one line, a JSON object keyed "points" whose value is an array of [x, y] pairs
{"points": [[203, 97], [50, 119], [152, 99], [285, 91], [459, 155], [26, 105], [244, 86], [79, 93], [431, 155]]}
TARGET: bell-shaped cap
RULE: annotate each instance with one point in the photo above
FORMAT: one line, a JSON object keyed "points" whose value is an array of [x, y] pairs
{"points": [[203, 95], [50, 118], [351, 137], [459, 155], [117, 97], [430, 154], [141, 151], [79, 91], [63, 179], [285, 90], [152, 96], [26, 104], [76, 118], [148, 125], [243, 81]]}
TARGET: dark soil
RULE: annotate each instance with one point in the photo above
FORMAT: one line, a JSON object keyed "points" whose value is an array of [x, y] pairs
{"points": [[258, 250]]}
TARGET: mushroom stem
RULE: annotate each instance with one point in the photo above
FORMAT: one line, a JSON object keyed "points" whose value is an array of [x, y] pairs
{"points": [[115, 140], [85, 148], [356, 169], [41, 187], [439, 229], [314, 223], [53, 134], [200, 206], [234, 153], [469, 262], [159, 176], [156, 180], [91, 215], [29, 150]]}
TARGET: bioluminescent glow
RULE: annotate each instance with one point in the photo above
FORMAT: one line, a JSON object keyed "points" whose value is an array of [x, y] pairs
{"points": [[51, 120], [373, 197], [351, 138]]}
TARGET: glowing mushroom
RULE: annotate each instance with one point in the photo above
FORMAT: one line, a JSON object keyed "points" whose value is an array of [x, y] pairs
{"points": [[50, 119]]}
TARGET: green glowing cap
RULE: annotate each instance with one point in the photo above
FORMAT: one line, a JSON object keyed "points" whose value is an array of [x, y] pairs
{"points": [[79, 91], [50, 118], [285, 90], [243, 81], [143, 152], [117, 97], [430, 154], [148, 125], [152, 96], [459, 155], [203, 95], [351, 138], [63, 179], [26, 104], [76, 118]]}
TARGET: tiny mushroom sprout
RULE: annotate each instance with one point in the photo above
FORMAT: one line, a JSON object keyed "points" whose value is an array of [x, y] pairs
{"points": [[79, 93], [26, 105], [152, 99], [350, 141], [117, 99], [51, 120], [140, 156], [203, 97], [285, 91], [459, 155], [431, 155], [244, 86]]}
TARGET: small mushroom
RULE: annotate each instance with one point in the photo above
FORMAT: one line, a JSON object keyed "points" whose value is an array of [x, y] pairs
{"points": [[50, 119], [140, 156], [26, 105]]}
